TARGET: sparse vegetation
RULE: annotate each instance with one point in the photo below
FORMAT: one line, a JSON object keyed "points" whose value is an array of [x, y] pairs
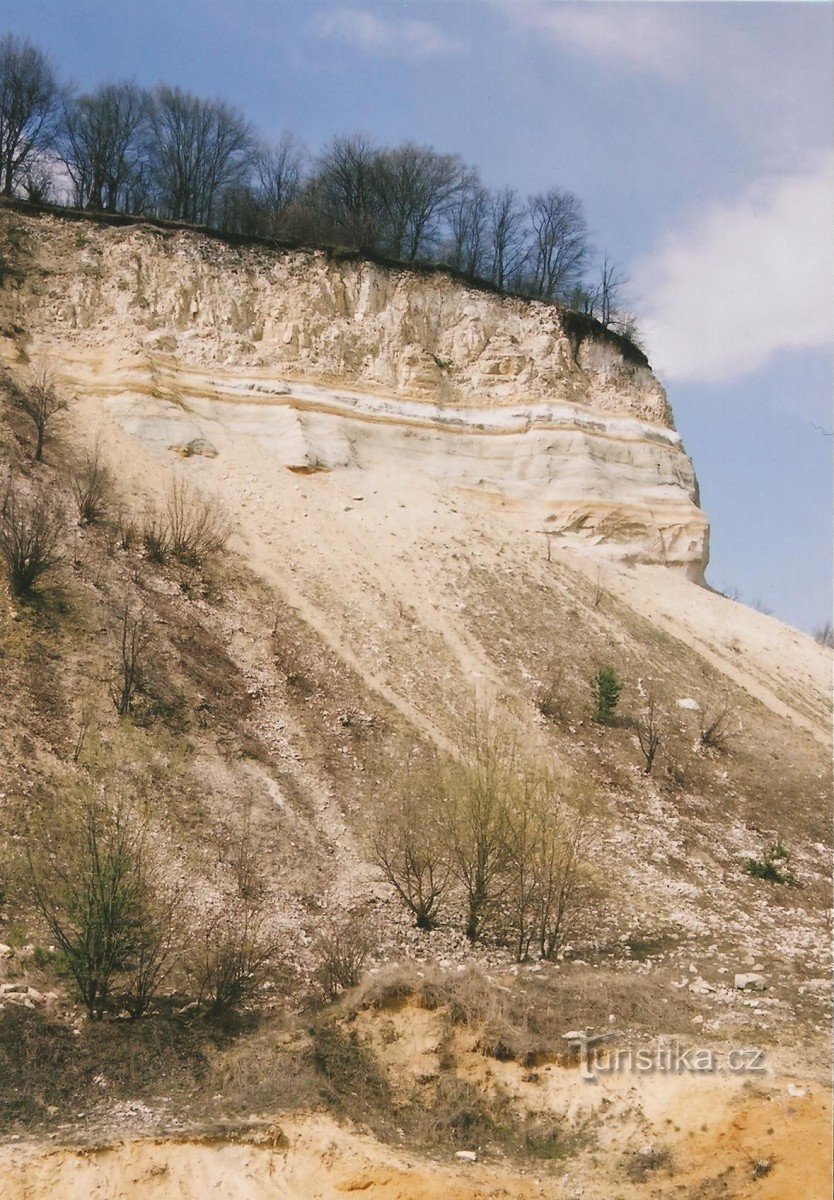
{"points": [[641, 1165], [232, 956], [90, 878], [191, 528], [343, 947], [407, 842], [718, 728], [551, 697], [91, 487], [489, 831], [824, 635], [774, 866], [133, 644], [649, 732], [30, 535]]}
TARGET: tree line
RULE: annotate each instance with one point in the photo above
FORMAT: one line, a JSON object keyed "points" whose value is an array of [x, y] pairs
{"points": [[168, 153]]}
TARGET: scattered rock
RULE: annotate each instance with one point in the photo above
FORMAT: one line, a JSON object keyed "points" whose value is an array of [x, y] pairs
{"points": [[752, 980], [198, 447]]}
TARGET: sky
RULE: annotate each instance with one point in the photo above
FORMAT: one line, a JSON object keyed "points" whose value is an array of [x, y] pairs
{"points": [[698, 135]]}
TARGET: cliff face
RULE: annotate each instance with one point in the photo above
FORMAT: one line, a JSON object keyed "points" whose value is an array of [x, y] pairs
{"points": [[327, 362]]}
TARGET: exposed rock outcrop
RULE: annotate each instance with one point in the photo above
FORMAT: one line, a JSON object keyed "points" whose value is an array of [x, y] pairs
{"points": [[315, 357]]}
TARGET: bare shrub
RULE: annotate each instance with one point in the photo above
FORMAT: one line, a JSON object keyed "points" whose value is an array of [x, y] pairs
{"points": [[191, 529], [824, 635], [342, 951], [239, 853], [30, 532], [133, 643], [40, 400], [232, 956], [198, 529], [545, 848], [156, 536], [718, 728], [551, 699], [91, 879], [649, 733], [91, 486], [408, 845], [124, 528], [158, 937]]}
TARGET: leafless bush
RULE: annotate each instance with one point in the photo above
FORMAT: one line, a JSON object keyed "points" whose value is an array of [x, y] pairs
{"points": [[718, 728], [99, 892], [824, 635], [157, 940], [239, 853], [192, 528], [551, 698], [91, 487], [545, 837], [125, 529], [342, 951], [85, 720], [40, 400], [156, 536], [649, 733], [133, 643], [30, 531], [233, 955]]}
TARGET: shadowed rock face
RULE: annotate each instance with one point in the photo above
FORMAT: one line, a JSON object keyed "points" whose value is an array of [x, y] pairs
{"points": [[326, 364]]}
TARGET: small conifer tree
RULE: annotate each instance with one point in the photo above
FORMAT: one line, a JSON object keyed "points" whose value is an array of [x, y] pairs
{"points": [[606, 690]]}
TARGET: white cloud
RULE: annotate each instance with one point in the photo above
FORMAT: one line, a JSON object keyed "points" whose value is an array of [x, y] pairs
{"points": [[389, 37], [742, 281], [650, 38]]}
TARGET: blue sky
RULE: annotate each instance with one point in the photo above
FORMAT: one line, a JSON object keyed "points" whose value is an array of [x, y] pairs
{"points": [[697, 134]]}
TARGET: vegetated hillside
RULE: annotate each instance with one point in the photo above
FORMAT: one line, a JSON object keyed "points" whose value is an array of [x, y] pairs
{"points": [[318, 671]]}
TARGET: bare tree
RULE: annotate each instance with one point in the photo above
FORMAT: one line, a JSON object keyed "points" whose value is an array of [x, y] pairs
{"points": [[468, 220], [29, 107], [559, 249], [344, 193], [649, 733], [132, 645], [102, 147], [609, 292], [544, 854], [278, 173], [40, 400], [417, 187], [508, 239], [475, 820], [30, 533], [407, 842], [197, 148]]}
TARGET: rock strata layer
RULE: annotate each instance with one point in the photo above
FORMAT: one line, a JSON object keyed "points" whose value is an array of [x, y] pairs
{"points": [[327, 363]]}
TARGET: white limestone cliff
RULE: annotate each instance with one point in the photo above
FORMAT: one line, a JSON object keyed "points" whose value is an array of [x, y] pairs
{"points": [[328, 362]]}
